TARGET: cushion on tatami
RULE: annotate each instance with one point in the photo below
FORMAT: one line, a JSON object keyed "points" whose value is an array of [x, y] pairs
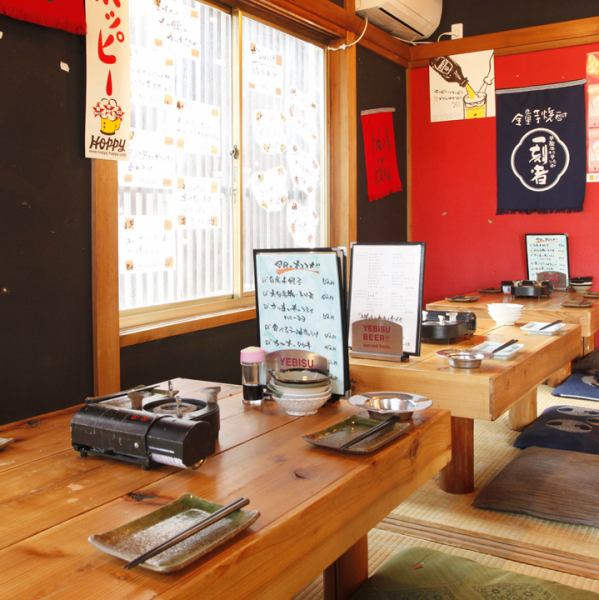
{"points": [[563, 428], [424, 574], [552, 484], [579, 385]]}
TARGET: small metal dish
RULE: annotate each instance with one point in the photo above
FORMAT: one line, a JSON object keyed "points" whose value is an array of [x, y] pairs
{"points": [[381, 405], [466, 360]]}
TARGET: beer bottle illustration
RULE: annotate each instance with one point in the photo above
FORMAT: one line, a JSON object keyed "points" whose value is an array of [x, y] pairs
{"points": [[475, 104]]}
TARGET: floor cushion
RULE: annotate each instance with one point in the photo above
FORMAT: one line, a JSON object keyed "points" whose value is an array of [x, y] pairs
{"points": [[563, 428], [579, 385], [423, 574], [552, 484]]}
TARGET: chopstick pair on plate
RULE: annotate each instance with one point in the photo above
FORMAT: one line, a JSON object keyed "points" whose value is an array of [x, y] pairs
{"points": [[503, 346], [550, 324], [221, 513], [366, 434]]}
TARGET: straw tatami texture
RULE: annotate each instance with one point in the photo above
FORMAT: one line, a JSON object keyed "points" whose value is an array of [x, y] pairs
{"points": [[451, 519], [567, 554]]}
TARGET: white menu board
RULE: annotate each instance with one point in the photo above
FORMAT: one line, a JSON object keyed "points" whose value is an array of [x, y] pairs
{"points": [[386, 283], [300, 306], [547, 252]]}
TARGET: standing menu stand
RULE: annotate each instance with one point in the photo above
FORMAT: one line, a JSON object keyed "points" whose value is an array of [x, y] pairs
{"points": [[385, 300], [547, 257], [300, 305]]}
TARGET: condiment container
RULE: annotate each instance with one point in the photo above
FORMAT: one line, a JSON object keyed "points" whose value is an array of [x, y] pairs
{"points": [[252, 374]]}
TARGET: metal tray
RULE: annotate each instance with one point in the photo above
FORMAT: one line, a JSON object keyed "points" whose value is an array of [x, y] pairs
{"points": [[136, 537], [462, 298], [336, 435]]}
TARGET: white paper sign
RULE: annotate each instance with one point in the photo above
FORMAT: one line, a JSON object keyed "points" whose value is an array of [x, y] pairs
{"points": [[546, 252], [299, 303], [386, 283], [107, 110]]}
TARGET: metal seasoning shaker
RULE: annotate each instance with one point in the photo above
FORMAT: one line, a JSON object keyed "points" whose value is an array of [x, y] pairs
{"points": [[252, 374]]}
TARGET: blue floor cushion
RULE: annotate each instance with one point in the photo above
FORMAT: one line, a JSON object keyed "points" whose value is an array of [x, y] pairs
{"points": [[423, 574], [579, 385], [563, 428]]}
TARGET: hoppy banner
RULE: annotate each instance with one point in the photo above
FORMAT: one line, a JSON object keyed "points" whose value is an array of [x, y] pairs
{"points": [[541, 148], [107, 105], [382, 174]]}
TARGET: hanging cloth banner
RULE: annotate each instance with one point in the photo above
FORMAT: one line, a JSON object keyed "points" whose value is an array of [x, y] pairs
{"points": [[60, 14], [382, 174], [541, 149], [107, 106]]}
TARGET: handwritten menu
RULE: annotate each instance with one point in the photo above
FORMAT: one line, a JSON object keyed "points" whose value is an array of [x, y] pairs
{"points": [[547, 252], [386, 283], [299, 300]]}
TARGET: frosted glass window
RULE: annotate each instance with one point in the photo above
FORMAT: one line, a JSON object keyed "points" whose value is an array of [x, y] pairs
{"points": [[183, 234], [283, 142], [175, 194]]}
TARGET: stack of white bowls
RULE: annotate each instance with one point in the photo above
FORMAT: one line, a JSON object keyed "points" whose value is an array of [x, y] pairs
{"points": [[299, 392], [505, 313]]}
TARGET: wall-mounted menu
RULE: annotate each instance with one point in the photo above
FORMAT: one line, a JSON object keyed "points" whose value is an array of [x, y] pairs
{"points": [[300, 305], [547, 253], [386, 283]]}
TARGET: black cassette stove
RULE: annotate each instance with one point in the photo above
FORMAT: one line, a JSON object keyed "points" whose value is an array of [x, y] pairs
{"points": [[148, 425], [446, 327]]}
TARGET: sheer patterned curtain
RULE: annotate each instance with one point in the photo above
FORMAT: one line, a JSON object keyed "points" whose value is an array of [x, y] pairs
{"points": [[283, 142], [175, 194]]}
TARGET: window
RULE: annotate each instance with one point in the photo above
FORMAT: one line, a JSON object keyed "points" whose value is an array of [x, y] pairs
{"points": [[213, 172]]}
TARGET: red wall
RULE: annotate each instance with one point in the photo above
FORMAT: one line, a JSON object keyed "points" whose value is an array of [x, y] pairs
{"points": [[454, 189]]}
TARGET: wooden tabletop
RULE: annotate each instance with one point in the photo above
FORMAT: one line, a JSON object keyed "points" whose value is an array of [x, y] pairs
{"points": [[535, 309], [315, 505], [484, 393]]}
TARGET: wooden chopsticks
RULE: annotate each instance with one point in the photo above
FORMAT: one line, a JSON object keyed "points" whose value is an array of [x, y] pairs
{"points": [[221, 513], [503, 346], [550, 324], [368, 433]]}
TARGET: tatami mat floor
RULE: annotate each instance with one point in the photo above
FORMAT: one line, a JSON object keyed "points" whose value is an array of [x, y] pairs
{"points": [[452, 525]]}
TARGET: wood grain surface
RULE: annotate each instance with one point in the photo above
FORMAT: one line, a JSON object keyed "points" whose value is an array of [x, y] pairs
{"points": [[542, 309], [315, 505]]}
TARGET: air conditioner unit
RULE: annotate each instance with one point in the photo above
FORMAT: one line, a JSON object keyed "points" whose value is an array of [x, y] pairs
{"points": [[407, 19]]}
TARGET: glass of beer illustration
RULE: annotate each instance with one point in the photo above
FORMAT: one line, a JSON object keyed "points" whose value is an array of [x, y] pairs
{"points": [[475, 103]]}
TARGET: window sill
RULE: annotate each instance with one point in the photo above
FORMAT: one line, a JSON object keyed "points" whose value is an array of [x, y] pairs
{"points": [[140, 334]]}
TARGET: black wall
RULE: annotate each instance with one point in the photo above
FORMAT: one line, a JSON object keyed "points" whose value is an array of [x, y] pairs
{"points": [[45, 216], [382, 83], [489, 17], [212, 355]]}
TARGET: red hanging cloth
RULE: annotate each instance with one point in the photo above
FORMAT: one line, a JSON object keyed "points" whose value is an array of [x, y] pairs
{"points": [[382, 173], [60, 14]]}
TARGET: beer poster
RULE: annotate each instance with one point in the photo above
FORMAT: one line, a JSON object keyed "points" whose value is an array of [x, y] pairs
{"points": [[107, 111], [462, 86]]}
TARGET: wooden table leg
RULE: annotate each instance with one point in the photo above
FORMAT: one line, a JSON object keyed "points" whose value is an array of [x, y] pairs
{"points": [[346, 574], [458, 476], [588, 344], [560, 375], [524, 412]]}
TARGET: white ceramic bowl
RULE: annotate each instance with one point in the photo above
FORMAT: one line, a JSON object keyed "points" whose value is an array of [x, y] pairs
{"points": [[505, 314], [581, 288], [300, 407]]}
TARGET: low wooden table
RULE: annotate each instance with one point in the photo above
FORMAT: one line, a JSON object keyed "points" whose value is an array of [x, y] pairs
{"points": [[469, 394], [316, 506], [545, 309]]}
